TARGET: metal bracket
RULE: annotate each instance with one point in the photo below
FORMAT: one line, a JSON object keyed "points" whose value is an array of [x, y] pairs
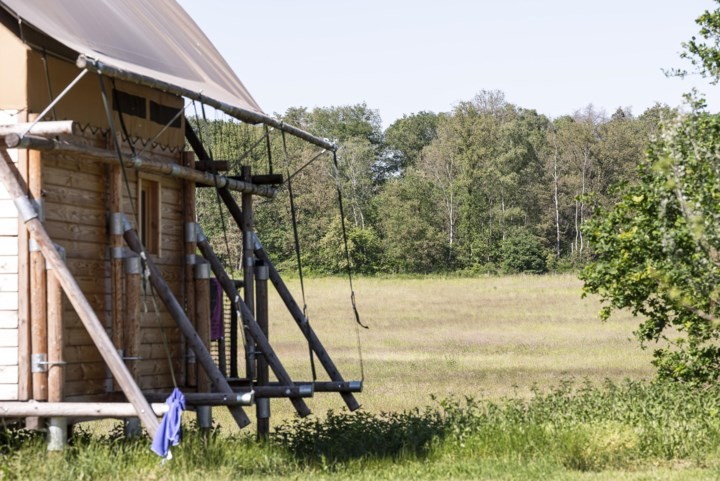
{"points": [[191, 231], [33, 246], [25, 208], [39, 363], [116, 223]]}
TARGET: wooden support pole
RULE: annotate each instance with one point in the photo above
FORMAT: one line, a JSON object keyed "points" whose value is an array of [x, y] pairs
{"points": [[24, 335], [81, 409], [57, 426], [133, 273], [291, 305], [177, 312], [116, 260], [202, 315], [190, 365], [56, 364], [263, 375], [47, 128], [248, 263], [254, 331], [38, 294], [74, 294], [142, 165]]}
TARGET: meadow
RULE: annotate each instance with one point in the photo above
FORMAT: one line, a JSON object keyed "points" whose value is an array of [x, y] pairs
{"points": [[465, 378]]}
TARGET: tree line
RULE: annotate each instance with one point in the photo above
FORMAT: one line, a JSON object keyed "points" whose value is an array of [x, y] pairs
{"points": [[487, 187]]}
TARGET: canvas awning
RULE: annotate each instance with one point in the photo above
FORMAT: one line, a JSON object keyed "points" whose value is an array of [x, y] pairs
{"points": [[153, 43]]}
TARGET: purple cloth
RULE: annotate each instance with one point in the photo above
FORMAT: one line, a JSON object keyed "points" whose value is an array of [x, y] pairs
{"points": [[169, 431], [217, 329]]}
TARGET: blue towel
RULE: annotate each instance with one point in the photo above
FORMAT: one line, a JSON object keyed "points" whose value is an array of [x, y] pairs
{"points": [[169, 431]]}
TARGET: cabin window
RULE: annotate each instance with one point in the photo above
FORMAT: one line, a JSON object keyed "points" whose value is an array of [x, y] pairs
{"points": [[148, 206]]}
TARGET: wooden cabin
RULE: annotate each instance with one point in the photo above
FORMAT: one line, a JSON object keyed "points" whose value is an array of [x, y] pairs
{"points": [[104, 275]]}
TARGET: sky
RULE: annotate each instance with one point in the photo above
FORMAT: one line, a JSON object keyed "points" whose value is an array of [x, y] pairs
{"points": [[402, 57]]}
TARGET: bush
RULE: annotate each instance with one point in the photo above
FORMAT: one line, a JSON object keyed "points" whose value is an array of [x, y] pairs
{"points": [[523, 252]]}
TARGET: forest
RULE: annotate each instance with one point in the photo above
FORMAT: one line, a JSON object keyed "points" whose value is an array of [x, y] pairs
{"points": [[488, 187]]}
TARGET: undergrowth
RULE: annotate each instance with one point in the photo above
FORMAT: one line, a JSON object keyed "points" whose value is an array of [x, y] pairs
{"points": [[572, 428]]}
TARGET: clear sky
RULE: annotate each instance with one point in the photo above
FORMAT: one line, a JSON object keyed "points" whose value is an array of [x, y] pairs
{"points": [[401, 56]]}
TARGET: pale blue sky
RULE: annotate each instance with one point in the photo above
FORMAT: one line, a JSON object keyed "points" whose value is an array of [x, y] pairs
{"points": [[402, 57]]}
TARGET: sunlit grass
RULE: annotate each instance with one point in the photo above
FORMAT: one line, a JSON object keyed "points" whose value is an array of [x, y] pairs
{"points": [[487, 336]]}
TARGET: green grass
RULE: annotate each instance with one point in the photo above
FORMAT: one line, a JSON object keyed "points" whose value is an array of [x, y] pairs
{"points": [[465, 379]]}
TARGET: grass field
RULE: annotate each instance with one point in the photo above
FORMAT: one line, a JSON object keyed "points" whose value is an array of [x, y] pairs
{"points": [[464, 379], [481, 337]]}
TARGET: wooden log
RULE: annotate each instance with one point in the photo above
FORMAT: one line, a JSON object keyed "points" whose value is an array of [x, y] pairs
{"points": [[74, 293], [213, 166], [291, 305], [38, 294], [202, 315], [263, 374], [56, 367], [176, 311], [116, 259], [248, 262], [132, 314], [45, 129], [254, 331], [190, 368], [142, 165], [23, 259], [80, 409]]}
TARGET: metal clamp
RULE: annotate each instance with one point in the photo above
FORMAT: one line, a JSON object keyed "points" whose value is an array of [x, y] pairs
{"points": [[39, 363]]}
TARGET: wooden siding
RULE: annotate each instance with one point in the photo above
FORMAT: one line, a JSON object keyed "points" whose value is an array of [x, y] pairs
{"points": [[77, 207], [9, 297]]}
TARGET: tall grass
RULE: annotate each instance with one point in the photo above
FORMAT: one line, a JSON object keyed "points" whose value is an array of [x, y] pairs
{"points": [[574, 431]]}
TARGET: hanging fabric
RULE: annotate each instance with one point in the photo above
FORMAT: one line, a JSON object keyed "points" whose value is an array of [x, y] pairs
{"points": [[168, 434]]}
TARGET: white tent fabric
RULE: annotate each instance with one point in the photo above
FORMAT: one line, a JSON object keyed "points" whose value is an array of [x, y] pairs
{"points": [[151, 38]]}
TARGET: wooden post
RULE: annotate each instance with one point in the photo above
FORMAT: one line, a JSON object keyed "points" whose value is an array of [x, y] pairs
{"points": [[24, 336], [177, 312], [292, 306], [75, 295], [253, 329], [233, 342], [190, 365], [57, 429], [202, 314], [116, 260], [263, 376], [133, 272], [38, 295], [248, 266]]}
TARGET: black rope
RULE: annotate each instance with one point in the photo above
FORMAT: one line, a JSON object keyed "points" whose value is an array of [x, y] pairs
{"points": [[349, 266], [293, 216]]}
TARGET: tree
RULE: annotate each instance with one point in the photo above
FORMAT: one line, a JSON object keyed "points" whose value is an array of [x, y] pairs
{"points": [[657, 251], [406, 138]]}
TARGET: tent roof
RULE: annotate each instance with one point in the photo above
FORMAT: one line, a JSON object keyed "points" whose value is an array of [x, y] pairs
{"points": [[154, 39], [150, 42]]}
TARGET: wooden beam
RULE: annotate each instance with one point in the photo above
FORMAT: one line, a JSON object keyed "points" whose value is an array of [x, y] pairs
{"points": [[45, 129], [56, 367], [189, 368], [116, 258], [80, 409], [142, 165], [263, 374], [74, 294], [248, 263], [202, 315], [132, 314], [254, 331], [24, 348], [177, 312], [38, 294]]}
